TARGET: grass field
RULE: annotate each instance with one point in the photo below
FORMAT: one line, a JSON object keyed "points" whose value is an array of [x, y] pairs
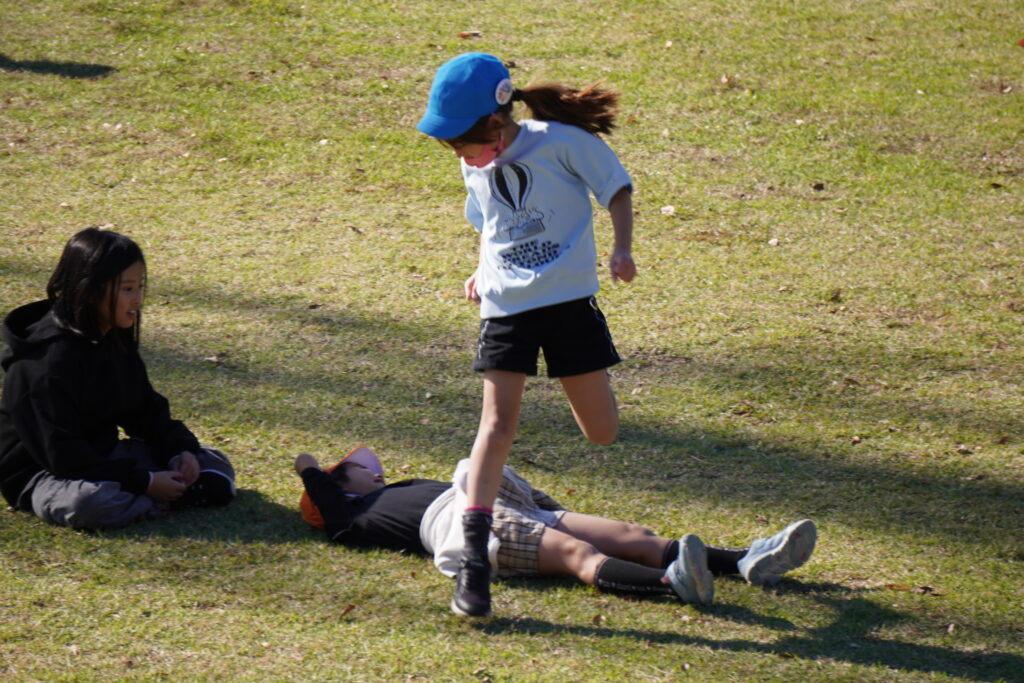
{"points": [[826, 323]]}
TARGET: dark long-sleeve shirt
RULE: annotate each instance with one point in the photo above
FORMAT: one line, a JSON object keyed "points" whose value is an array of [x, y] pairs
{"points": [[387, 518], [64, 398]]}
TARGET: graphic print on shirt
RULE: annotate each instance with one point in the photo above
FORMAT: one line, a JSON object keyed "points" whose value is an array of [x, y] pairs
{"points": [[511, 185]]}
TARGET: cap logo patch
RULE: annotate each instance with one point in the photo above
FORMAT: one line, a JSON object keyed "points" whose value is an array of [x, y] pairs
{"points": [[503, 93]]}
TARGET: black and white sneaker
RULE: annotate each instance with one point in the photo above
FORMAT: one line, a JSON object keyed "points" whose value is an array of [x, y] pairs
{"points": [[472, 588]]}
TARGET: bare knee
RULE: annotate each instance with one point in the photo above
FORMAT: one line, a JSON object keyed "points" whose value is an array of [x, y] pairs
{"points": [[564, 554], [602, 434], [584, 558], [497, 429], [635, 532]]}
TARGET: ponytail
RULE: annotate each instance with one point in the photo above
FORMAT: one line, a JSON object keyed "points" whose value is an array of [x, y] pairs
{"points": [[591, 109]]}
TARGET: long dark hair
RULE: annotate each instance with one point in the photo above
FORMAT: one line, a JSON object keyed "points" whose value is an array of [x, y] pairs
{"points": [[88, 277], [591, 109]]}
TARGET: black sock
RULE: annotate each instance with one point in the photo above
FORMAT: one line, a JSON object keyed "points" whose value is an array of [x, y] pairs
{"points": [[476, 529], [723, 560], [720, 560], [621, 576], [670, 554]]}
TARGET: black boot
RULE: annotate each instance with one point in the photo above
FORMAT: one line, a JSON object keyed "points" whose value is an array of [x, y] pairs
{"points": [[473, 582]]}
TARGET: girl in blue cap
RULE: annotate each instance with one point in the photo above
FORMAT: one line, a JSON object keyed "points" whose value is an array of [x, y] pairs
{"points": [[528, 194]]}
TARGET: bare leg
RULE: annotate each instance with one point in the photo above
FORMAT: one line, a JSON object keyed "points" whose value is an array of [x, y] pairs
{"points": [[593, 405], [562, 554], [565, 555], [499, 417], [617, 539]]}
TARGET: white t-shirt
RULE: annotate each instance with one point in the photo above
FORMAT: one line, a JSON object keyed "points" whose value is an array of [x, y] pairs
{"points": [[532, 209]]}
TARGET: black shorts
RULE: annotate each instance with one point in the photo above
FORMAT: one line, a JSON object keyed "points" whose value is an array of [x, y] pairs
{"points": [[573, 335]]}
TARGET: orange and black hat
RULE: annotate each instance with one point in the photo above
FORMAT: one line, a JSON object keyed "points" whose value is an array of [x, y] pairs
{"points": [[359, 456]]}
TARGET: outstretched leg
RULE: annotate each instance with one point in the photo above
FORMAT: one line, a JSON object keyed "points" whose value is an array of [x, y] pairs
{"points": [[619, 539], [562, 554]]}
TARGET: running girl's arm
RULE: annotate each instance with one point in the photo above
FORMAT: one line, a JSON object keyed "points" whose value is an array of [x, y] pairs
{"points": [[469, 287], [621, 211]]}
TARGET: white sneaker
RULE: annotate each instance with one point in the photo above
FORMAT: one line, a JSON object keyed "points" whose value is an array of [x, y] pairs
{"points": [[688, 574], [768, 559]]}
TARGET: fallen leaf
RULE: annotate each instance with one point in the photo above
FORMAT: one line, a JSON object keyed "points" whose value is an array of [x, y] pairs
{"points": [[471, 34], [314, 306], [818, 187], [598, 619], [925, 590], [963, 449], [897, 587], [950, 628], [761, 519], [774, 241], [856, 440], [348, 608], [668, 210]]}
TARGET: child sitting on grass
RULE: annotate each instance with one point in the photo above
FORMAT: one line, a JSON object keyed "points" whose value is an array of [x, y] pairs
{"points": [[531, 534], [72, 378]]}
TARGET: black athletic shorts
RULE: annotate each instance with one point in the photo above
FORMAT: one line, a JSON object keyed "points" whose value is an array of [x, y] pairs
{"points": [[573, 335]]}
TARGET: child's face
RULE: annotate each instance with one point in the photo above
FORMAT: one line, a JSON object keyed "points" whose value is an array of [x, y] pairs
{"points": [[128, 299], [361, 481], [471, 150]]}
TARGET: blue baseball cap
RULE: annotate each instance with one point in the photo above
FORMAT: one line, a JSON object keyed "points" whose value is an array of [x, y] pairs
{"points": [[465, 88]]}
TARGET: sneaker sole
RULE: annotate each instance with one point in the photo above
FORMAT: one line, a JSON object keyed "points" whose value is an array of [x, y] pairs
{"points": [[791, 553], [463, 613], [695, 555]]}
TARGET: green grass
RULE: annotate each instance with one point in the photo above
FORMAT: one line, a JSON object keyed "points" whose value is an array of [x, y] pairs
{"points": [[827, 325]]}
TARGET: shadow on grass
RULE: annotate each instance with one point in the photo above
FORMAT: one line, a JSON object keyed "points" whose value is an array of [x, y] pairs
{"points": [[395, 360], [63, 69], [849, 637], [668, 459], [250, 518]]}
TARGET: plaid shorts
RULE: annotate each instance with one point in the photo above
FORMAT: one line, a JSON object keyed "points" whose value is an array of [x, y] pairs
{"points": [[521, 514]]}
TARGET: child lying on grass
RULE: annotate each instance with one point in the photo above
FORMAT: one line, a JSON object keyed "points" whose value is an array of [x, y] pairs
{"points": [[531, 535]]}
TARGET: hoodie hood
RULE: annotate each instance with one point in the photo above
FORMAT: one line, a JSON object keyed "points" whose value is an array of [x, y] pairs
{"points": [[29, 327]]}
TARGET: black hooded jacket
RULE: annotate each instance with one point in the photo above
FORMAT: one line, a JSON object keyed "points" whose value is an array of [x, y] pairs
{"points": [[64, 397]]}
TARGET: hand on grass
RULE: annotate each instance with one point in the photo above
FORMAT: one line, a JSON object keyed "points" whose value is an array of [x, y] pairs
{"points": [[166, 486]]}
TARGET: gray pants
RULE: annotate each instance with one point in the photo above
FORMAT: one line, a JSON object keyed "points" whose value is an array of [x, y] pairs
{"points": [[83, 504]]}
